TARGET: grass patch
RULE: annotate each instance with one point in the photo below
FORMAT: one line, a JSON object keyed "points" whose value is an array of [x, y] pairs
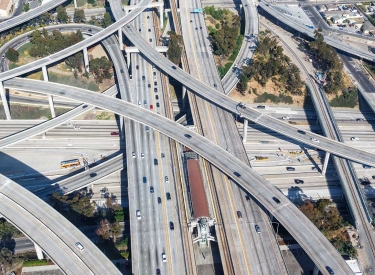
{"points": [[125, 2], [81, 3], [24, 49], [20, 111], [273, 98], [237, 49], [79, 82], [104, 116], [223, 70], [13, 65], [36, 262], [93, 87], [165, 20], [349, 99]]}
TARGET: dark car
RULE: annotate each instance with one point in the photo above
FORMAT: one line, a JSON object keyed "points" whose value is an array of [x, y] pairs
{"points": [[155, 83], [143, 77], [137, 67], [157, 104], [151, 189], [114, 134], [301, 132], [122, 71], [144, 180], [291, 169], [187, 135], [276, 200], [90, 30], [84, 106], [171, 225], [163, 156], [93, 175], [149, 85], [373, 177], [168, 196], [156, 162], [237, 174], [150, 40], [366, 166], [156, 97], [298, 181], [239, 214], [139, 30], [174, 67], [154, 73], [261, 107], [257, 228], [330, 271], [158, 271], [215, 85], [247, 197], [149, 30], [159, 200], [155, 90]]}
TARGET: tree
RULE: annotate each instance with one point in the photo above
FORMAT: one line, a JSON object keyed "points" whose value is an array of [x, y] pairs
{"points": [[79, 16], [174, 47], [107, 21], [75, 62], [12, 55], [115, 230], [26, 7], [101, 68], [82, 205], [103, 230], [92, 2], [62, 16]]}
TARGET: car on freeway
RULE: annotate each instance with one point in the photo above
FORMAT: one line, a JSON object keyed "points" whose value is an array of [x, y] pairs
{"points": [[366, 166], [314, 139], [80, 246], [137, 67], [139, 103], [145, 102], [149, 85], [158, 271], [166, 179], [187, 135], [239, 214], [301, 132], [174, 67], [215, 85], [122, 71], [148, 17], [93, 175], [84, 106], [291, 169], [354, 138], [276, 200], [373, 177], [257, 228], [133, 154], [155, 90], [142, 155], [164, 257], [151, 107], [150, 40], [157, 104], [144, 180], [359, 119], [149, 30], [139, 30], [156, 162], [154, 73], [155, 83], [159, 200], [330, 271], [171, 225], [156, 97], [285, 117], [143, 77], [151, 189], [162, 155], [138, 213], [261, 107], [147, 128], [298, 181], [237, 174], [114, 134], [168, 196]]}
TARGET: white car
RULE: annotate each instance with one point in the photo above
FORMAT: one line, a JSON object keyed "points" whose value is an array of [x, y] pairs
{"points": [[164, 257], [133, 155], [138, 214], [139, 103], [314, 139], [166, 179], [80, 246], [354, 138], [285, 117], [142, 155]]}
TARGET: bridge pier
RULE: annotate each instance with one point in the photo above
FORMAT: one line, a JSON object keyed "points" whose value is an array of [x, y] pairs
{"points": [[75, 4], [128, 59], [316, 270], [4, 100], [39, 252], [86, 59], [120, 39], [326, 158], [50, 98], [161, 17], [244, 136]]}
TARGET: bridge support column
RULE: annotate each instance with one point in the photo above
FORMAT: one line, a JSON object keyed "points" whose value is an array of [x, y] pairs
{"points": [[324, 168], [244, 136], [39, 252], [86, 59], [120, 39], [316, 270], [4, 100], [128, 59], [161, 17], [75, 4], [50, 98], [317, 121]]}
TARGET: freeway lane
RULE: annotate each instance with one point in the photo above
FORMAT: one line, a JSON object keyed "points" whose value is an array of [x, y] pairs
{"points": [[29, 15], [77, 47], [52, 232], [326, 144], [308, 236]]}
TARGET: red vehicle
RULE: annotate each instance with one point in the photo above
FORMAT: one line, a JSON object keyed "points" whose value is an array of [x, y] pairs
{"points": [[151, 107], [114, 134]]}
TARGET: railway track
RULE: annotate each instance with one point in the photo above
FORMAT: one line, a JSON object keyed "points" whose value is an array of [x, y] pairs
{"points": [[336, 135]]}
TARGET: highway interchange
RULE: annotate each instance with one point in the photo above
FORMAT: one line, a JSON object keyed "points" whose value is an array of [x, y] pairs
{"points": [[219, 157]]}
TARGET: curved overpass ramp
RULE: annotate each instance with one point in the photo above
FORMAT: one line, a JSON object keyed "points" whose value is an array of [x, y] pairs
{"points": [[13, 22], [52, 232], [76, 47], [307, 235]]}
